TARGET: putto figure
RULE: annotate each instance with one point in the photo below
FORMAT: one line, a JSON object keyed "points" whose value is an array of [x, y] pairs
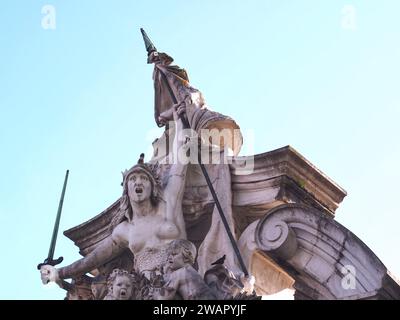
{"points": [[120, 286], [182, 281]]}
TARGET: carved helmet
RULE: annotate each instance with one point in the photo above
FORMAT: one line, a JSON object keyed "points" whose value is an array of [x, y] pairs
{"points": [[151, 170]]}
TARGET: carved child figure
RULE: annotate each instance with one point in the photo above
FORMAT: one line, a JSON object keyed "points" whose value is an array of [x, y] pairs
{"points": [[120, 286], [182, 281]]}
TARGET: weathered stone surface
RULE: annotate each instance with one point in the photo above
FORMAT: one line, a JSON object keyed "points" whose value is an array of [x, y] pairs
{"points": [[281, 176], [329, 261]]}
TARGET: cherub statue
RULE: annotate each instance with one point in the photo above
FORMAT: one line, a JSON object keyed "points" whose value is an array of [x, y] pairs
{"points": [[182, 281], [120, 285]]}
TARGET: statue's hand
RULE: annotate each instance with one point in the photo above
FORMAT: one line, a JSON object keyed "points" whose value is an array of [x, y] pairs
{"points": [[153, 57], [248, 283], [180, 108], [165, 116], [48, 274], [173, 113]]}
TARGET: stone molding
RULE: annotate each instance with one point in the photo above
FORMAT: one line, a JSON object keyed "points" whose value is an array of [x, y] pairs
{"points": [[319, 252]]}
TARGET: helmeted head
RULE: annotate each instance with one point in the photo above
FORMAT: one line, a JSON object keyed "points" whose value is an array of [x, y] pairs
{"points": [[140, 183]]}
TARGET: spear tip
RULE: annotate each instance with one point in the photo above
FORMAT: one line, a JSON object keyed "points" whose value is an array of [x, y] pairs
{"points": [[147, 42]]}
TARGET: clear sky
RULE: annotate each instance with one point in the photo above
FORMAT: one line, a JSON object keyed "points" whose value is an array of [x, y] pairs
{"points": [[80, 97]]}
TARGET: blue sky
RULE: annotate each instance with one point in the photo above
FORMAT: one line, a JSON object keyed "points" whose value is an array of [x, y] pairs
{"points": [[80, 97]]}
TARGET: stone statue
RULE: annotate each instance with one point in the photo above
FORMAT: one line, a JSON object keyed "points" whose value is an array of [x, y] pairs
{"points": [[168, 77], [162, 199], [219, 135], [149, 218], [181, 280], [144, 245], [120, 286]]}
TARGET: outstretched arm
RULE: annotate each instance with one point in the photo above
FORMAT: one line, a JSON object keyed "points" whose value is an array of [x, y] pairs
{"points": [[108, 249]]}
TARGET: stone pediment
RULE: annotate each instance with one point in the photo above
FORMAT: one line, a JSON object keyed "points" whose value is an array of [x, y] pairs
{"points": [[278, 164], [280, 176]]}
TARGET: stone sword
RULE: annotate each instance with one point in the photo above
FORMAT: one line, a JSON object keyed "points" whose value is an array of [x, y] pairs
{"points": [[50, 257]]}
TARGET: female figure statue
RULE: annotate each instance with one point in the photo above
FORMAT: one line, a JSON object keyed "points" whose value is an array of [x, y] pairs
{"points": [[149, 218]]}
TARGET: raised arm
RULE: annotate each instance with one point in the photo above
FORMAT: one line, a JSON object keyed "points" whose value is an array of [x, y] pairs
{"points": [[174, 189]]}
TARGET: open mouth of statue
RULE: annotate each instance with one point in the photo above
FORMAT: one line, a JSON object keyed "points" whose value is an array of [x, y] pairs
{"points": [[123, 293], [139, 190]]}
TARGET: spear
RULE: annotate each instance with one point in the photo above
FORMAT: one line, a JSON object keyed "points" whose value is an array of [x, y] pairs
{"points": [[151, 48], [50, 257]]}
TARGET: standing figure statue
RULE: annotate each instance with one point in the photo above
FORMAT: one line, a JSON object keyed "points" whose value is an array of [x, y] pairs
{"points": [[220, 135]]}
